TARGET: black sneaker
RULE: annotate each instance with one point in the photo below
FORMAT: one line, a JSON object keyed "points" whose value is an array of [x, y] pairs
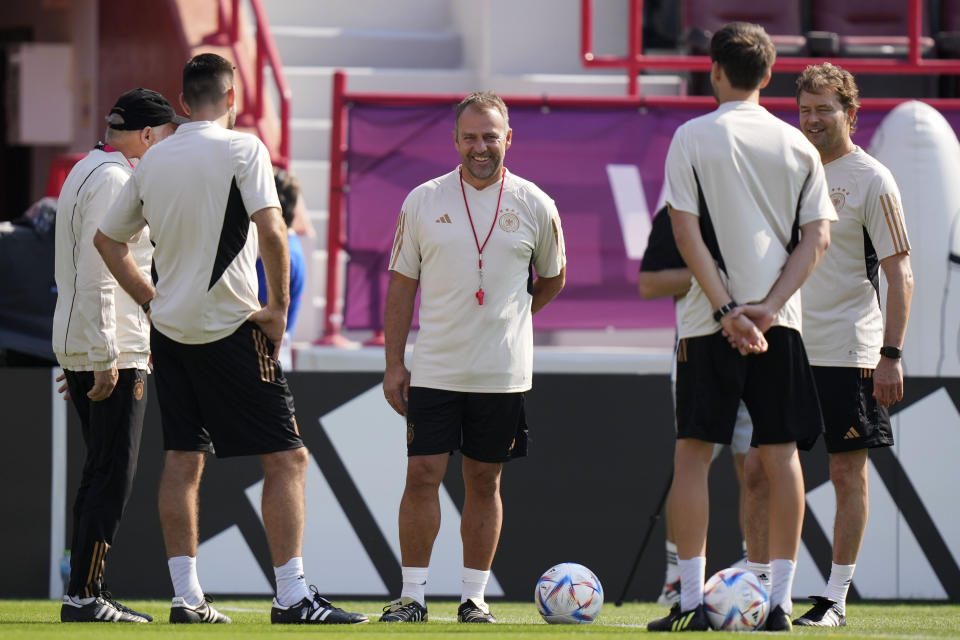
{"points": [[404, 610], [315, 610], [823, 613], [676, 620], [97, 610], [182, 613], [106, 595], [670, 594], [777, 620], [473, 611]]}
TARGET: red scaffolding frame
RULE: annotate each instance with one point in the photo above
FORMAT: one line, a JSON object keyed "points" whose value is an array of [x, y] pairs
{"points": [[636, 61], [266, 54]]}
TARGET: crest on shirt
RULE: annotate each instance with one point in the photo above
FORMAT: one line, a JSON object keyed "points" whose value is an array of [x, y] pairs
{"points": [[508, 220], [138, 390], [838, 196]]}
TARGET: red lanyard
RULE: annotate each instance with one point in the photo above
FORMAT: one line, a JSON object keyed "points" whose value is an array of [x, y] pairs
{"points": [[480, 247]]}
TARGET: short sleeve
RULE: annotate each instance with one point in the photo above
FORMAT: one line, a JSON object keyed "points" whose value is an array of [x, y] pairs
{"points": [[254, 174], [405, 255], [815, 198], [883, 217], [125, 219], [661, 252], [549, 254], [680, 186]]}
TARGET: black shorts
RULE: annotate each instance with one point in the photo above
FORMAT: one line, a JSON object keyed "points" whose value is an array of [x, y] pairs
{"points": [[777, 386], [489, 427], [226, 397], [851, 416]]}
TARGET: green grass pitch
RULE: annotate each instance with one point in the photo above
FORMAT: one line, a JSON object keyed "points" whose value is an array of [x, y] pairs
{"points": [[40, 619]]}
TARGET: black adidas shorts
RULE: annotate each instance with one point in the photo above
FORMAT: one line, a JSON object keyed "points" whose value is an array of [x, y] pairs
{"points": [[777, 386], [227, 397], [489, 427], [851, 416]]}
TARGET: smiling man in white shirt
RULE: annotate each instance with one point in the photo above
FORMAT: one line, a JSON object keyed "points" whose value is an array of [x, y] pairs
{"points": [[471, 241], [854, 348]]}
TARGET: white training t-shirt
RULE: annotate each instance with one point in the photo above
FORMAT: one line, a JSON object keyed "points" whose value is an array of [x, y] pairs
{"points": [[753, 177], [464, 346], [842, 321], [197, 189], [96, 325]]}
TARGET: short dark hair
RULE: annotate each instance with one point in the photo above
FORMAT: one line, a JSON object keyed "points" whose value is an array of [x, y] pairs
{"points": [[288, 191], [206, 79], [744, 52], [483, 100], [830, 77]]}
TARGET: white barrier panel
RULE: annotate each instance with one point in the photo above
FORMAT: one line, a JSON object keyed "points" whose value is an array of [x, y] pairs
{"points": [[921, 150]]}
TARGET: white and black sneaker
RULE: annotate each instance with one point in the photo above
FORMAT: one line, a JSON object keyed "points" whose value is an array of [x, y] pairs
{"points": [[404, 610], [313, 610], [824, 613], [183, 613], [473, 611], [94, 610], [106, 595]]}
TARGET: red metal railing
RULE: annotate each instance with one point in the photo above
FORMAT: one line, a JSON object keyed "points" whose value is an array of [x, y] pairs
{"points": [[636, 61], [336, 234], [336, 229], [633, 63], [254, 98]]}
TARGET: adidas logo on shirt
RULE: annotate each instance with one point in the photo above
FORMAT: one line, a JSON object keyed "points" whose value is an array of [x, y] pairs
{"points": [[444, 219]]}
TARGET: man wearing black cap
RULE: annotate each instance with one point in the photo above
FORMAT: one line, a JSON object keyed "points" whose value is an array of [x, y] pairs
{"points": [[101, 339]]}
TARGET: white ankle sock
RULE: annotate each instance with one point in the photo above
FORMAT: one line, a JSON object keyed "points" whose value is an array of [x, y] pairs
{"points": [[291, 586], [762, 571], [414, 583], [841, 575], [474, 584], [691, 582], [186, 585], [781, 593], [673, 572]]}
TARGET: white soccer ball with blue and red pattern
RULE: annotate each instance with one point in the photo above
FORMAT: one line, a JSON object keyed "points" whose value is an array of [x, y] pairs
{"points": [[569, 593], [734, 600]]}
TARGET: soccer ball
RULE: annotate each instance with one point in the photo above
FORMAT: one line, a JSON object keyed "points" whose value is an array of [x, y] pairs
{"points": [[735, 600], [569, 593]]}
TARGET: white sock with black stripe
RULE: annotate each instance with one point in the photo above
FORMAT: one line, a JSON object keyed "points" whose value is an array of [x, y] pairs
{"points": [[474, 584], [291, 585], [414, 583], [186, 585]]}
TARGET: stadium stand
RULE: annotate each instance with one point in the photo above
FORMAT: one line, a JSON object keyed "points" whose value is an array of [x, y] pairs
{"points": [[865, 28], [948, 36], [782, 20]]}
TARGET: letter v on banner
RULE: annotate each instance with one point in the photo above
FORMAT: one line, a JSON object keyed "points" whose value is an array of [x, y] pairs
{"points": [[632, 210]]}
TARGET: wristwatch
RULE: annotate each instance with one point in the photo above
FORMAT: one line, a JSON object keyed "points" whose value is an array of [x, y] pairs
{"points": [[891, 352], [146, 306], [724, 310]]}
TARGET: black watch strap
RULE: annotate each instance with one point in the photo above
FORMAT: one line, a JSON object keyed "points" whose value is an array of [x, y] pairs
{"points": [[146, 306], [724, 310], [891, 352]]}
